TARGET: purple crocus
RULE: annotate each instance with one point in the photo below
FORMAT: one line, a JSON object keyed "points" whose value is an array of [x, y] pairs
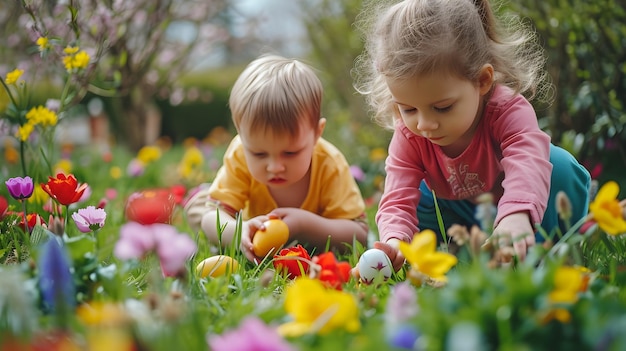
{"points": [[173, 248], [20, 188], [89, 219], [252, 335]]}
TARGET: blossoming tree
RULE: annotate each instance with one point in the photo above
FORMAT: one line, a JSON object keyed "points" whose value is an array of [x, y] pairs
{"points": [[137, 48]]}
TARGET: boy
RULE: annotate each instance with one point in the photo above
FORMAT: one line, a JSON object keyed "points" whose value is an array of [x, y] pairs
{"points": [[279, 166]]}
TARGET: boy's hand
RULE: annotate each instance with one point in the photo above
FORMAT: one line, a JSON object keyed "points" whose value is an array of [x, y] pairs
{"points": [[249, 228], [390, 248], [516, 229]]}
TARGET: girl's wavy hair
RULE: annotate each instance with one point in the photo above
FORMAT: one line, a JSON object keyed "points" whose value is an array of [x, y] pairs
{"points": [[457, 37]]}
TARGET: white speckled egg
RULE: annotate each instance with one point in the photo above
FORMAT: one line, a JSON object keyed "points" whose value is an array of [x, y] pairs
{"points": [[374, 263]]}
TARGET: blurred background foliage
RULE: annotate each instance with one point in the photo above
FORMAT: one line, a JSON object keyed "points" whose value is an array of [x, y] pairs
{"points": [[585, 42]]}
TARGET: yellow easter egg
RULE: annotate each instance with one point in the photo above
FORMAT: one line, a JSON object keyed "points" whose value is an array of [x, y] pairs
{"points": [[274, 236], [216, 266]]}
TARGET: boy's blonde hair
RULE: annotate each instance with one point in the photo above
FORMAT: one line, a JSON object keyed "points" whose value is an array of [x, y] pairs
{"points": [[274, 93], [415, 37]]}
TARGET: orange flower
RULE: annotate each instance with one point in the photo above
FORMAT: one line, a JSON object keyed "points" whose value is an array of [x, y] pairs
{"points": [[64, 189], [292, 261], [332, 272]]}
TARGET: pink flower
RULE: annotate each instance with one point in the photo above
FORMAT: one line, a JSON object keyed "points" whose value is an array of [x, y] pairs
{"points": [[172, 248], [89, 218], [357, 173], [252, 335]]}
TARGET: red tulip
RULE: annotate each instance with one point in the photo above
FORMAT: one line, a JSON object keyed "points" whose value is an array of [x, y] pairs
{"points": [[150, 206], [64, 189], [287, 261], [4, 205], [333, 273]]}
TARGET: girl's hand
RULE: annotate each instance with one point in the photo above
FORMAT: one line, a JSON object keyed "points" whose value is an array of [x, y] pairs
{"points": [[390, 248], [249, 228], [516, 229]]}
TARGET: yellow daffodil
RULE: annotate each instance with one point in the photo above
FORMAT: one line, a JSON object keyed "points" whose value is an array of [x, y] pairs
{"points": [[568, 282], [607, 211], [13, 76], [317, 309], [148, 154], [424, 258]]}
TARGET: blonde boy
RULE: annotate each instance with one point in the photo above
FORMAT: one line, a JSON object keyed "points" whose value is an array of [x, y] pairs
{"points": [[279, 166]]}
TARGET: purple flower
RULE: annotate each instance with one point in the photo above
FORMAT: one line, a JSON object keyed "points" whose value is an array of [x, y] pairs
{"points": [[357, 173], [20, 188], [89, 219], [55, 278], [173, 248], [252, 335], [404, 337]]}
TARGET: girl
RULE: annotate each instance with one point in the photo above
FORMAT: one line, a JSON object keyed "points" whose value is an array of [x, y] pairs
{"points": [[449, 83]]}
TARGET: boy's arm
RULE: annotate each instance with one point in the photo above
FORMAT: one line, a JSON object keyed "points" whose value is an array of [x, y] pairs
{"points": [[316, 230]]}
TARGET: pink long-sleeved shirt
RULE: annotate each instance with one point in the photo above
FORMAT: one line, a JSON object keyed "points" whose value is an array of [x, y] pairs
{"points": [[508, 157]]}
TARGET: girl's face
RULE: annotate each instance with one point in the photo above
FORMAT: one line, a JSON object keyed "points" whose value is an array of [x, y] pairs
{"points": [[442, 108], [280, 160]]}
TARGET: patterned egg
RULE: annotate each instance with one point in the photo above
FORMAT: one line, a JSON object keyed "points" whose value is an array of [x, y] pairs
{"points": [[374, 265]]}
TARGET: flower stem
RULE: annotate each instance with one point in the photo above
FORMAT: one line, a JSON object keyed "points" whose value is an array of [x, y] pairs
{"points": [[22, 157]]}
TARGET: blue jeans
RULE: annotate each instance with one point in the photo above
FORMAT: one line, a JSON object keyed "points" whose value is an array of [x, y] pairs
{"points": [[567, 175]]}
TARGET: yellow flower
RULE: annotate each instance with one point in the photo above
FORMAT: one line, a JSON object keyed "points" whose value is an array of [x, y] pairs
{"points": [[75, 59], [115, 172], [378, 154], [607, 211], [43, 43], [39, 196], [13, 76], [102, 313], [41, 115], [71, 50], [148, 154], [568, 282], [317, 309], [191, 159], [63, 166], [424, 258], [24, 131]]}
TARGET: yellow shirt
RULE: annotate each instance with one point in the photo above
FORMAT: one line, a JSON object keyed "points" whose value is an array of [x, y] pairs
{"points": [[333, 192]]}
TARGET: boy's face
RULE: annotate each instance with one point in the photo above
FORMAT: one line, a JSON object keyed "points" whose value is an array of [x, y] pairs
{"points": [[279, 160]]}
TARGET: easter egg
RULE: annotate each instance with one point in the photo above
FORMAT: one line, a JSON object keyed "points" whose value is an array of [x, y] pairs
{"points": [[216, 266], [271, 239], [373, 264]]}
